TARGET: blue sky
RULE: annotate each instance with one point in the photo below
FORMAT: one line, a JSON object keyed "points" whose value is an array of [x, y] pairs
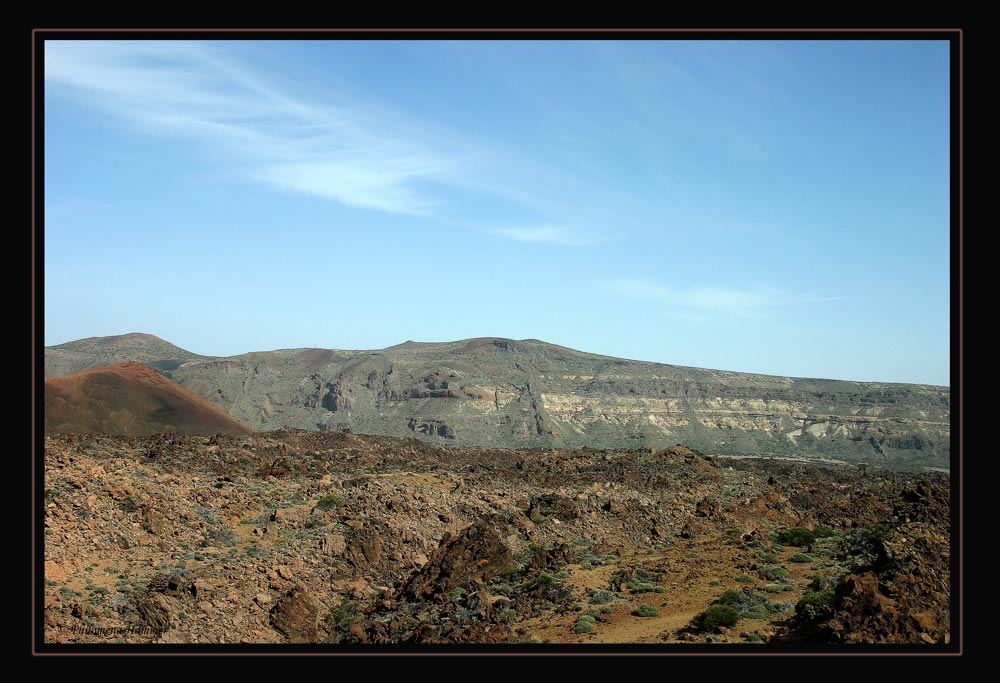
{"points": [[775, 207]]}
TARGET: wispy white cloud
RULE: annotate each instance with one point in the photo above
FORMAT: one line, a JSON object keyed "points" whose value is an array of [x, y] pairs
{"points": [[352, 152], [550, 234], [751, 302]]}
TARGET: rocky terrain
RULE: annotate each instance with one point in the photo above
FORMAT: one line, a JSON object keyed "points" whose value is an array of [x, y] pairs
{"points": [[296, 536], [130, 399], [493, 392]]}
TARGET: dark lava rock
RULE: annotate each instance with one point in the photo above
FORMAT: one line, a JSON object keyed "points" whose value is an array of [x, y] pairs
{"points": [[476, 553], [296, 616]]}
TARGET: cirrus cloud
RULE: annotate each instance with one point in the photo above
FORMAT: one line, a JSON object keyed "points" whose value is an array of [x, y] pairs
{"points": [[750, 302]]}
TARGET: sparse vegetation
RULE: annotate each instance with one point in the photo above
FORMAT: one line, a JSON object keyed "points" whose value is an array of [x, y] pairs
{"points": [[512, 579], [601, 597], [814, 599], [773, 573], [714, 617], [329, 502], [797, 536], [542, 579], [825, 580], [343, 614], [644, 610], [863, 547]]}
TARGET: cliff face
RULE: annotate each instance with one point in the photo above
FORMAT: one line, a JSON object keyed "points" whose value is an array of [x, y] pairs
{"points": [[522, 394]]}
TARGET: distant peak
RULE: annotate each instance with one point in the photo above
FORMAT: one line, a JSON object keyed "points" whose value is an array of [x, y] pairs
{"points": [[130, 338]]}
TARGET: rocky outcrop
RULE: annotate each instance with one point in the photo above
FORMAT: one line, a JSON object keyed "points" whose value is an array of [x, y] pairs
{"points": [[900, 596], [477, 553], [296, 616], [431, 428]]}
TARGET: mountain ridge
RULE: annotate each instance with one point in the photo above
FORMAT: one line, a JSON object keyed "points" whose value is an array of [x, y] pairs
{"points": [[493, 391]]}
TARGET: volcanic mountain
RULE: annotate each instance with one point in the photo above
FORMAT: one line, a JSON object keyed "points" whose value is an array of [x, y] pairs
{"points": [[130, 399], [507, 393], [87, 353]]}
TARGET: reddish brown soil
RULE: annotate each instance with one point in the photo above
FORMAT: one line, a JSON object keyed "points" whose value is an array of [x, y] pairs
{"points": [[130, 399]]}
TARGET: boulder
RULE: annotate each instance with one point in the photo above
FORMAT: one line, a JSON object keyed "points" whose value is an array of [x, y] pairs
{"points": [[296, 615]]}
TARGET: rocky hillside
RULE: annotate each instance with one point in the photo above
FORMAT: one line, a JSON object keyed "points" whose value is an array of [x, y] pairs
{"points": [[527, 393], [130, 399]]}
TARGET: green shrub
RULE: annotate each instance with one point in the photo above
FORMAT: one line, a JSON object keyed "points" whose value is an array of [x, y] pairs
{"points": [[714, 582], [757, 612], [542, 579], [659, 589], [773, 573], [797, 536], [865, 546], [823, 532], [816, 599], [644, 610], [730, 597], [601, 597], [328, 502], [775, 588], [801, 557], [582, 626], [745, 578], [824, 581], [754, 638], [714, 617], [343, 614], [768, 557]]}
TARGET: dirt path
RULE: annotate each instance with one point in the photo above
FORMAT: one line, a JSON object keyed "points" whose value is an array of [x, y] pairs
{"points": [[689, 569]]}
